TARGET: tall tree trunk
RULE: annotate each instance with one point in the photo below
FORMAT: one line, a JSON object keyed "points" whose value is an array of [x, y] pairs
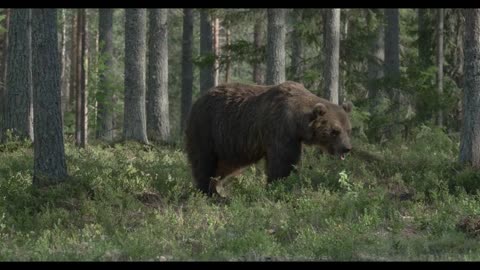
{"points": [[228, 61], [376, 57], [105, 101], [187, 66], [458, 60], [440, 57], [3, 49], [3, 75], [276, 46], [158, 124], [81, 131], [49, 153], [91, 65], [84, 81], [332, 53], [18, 113], [135, 122], [207, 73], [64, 82], [5, 46], [424, 34], [258, 34], [458, 55], [392, 52], [73, 63], [470, 138], [297, 48], [78, 69], [216, 49], [342, 85], [392, 68]]}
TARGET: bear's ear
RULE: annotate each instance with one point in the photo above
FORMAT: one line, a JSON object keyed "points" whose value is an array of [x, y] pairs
{"points": [[347, 106], [319, 109]]}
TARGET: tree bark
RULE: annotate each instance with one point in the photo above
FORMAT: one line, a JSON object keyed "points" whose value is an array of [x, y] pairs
{"points": [[73, 63], [297, 48], [18, 114], [3, 69], [105, 99], [342, 92], [3, 49], [470, 138], [158, 124], [216, 49], [392, 52], [84, 81], [376, 57], [458, 75], [458, 55], [187, 66], [78, 69], [91, 64], [81, 131], [276, 46], [332, 54], [135, 124], [49, 153], [228, 62], [65, 63], [207, 73], [258, 35]]}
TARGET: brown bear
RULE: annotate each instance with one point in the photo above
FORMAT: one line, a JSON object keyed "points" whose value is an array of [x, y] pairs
{"points": [[235, 125]]}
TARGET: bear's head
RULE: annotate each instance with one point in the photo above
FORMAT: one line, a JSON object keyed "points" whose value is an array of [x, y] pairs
{"points": [[329, 127]]}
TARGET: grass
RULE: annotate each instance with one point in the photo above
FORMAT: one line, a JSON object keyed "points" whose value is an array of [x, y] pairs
{"points": [[402, 201]]}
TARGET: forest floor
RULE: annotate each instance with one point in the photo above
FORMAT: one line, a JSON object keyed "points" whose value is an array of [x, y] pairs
{"points": [[402, 201]]}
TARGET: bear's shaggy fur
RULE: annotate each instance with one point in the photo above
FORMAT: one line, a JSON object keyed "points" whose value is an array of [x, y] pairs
{"points": [[235, 125]]}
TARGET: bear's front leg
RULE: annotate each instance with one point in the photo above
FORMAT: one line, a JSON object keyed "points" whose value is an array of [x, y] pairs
{"points": [[281, 159]]}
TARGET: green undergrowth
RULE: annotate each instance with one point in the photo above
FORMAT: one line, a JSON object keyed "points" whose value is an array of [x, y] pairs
{"points": [[394, 201]]}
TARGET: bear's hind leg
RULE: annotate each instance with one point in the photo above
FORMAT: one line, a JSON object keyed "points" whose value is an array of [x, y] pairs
{"points": [[225, 169]]}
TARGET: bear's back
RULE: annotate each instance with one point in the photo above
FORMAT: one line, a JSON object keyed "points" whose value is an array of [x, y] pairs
{"points": [[242, 92]]}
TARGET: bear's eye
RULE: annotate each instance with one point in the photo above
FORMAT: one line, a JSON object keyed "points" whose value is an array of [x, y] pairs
{"points": [[335, 132]]}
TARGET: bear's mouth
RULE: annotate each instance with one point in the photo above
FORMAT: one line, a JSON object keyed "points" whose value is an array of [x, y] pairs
{"points": [[336, 153]]}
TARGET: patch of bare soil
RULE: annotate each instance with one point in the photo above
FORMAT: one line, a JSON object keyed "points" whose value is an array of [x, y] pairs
{"points": [[150, 199], [470, 225]]}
